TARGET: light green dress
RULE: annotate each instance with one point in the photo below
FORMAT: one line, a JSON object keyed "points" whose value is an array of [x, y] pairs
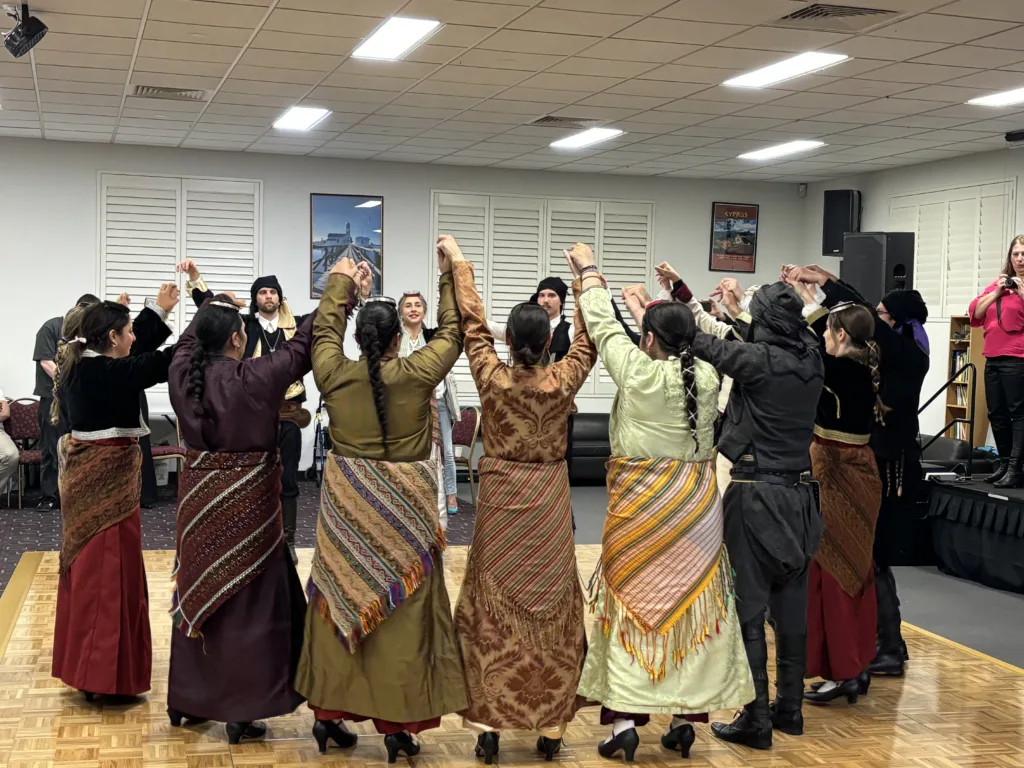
{"points": [[648, 420]]}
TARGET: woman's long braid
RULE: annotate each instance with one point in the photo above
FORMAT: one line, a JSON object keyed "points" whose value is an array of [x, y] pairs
{"points": [[370, 343], [874, 363], [690, 390], [66, 358], [196, 388]]}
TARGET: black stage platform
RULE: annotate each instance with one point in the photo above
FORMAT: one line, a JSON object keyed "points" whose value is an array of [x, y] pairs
{"points": [[978, 532]]}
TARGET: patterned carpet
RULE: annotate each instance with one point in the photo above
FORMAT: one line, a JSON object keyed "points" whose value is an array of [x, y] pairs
{"points": [[26, 530]]}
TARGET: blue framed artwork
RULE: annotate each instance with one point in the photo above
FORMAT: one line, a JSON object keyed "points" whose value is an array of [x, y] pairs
{"points": [[345, 225]]}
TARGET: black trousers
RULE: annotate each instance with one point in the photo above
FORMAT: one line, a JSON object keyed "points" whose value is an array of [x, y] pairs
{"points": [[289, 441], [1004, 391], [49, 436]]}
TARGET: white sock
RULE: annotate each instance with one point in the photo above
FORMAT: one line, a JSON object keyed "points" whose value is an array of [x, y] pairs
{"points": [[619, 726], [828, 686]]}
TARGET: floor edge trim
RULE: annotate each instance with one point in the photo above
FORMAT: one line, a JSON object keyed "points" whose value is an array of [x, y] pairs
{"points": [[13, 598], [969, 651]]}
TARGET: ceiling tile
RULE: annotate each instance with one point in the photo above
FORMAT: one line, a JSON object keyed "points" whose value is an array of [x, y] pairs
{"points": [[432, 101], [570, 82], [782, 113], [189, 82], [97, 60], [880, 132], [183, 67], [956, 136], [312, 62], [854, 87], [369, 82], [330, 24], [600, 67], [302, 43], [745, 95], [478, 75], [434, 54], [615, 100], [572, 22], [750, 11], [950, 94], [64, 86], [444, 88], [635, 50], [925, 74], [206, 13], [1001, 10], [740, 121], [81, 74], [517, 41], [519, 93], [423, 112], [929, 121], [899, 105], [458, 12], [160, 49], [674, 31], [80, 24], [379, 8], [661, 89], [189, 33], [122, 46], [783, 40], [681, 73], [523, 62], [932, 27], [992, 80], [701, 107], [277, 75], [866, 47], [130, 9], [972, 56], [460, 35]]}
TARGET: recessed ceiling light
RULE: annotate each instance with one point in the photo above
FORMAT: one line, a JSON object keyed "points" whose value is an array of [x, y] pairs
{"points": [[1004, 99], [300, 118], [786, 70], [369, 204], [781, 150], [586, 138], [395, 38]]}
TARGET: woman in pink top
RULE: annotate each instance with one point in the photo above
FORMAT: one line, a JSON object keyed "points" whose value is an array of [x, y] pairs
{"points": [[1000, 311]]}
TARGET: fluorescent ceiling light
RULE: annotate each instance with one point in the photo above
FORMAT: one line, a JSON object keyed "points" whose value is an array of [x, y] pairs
{"points": [[781, 150], [395, 38], [369, 204], [300, 118], [1004, 99], [586, 138], [786, 70]]}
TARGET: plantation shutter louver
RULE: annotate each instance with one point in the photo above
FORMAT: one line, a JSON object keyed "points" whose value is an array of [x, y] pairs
{"points": [[962, 241], [516, 251]]}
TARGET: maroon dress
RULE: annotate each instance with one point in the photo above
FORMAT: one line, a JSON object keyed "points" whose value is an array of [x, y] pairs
{"points": [[242, 667]]}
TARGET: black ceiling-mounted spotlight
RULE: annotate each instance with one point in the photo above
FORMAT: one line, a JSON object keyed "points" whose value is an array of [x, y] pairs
{"points": [[26, 34]]}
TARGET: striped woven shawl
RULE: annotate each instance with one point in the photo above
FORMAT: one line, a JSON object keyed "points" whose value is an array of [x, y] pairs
{"points": [[663, 562], [229, 523], [377, 535], [523, 561], [100, 483]]}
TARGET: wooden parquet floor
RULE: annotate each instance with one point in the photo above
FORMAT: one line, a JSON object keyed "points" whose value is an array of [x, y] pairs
{"points": [[954, 708]]}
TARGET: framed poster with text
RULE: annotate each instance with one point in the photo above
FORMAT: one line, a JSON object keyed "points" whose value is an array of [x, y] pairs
{"points": [[733, 237]]}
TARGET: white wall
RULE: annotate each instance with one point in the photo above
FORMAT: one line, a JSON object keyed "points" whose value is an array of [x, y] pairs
{"points": [[877, 190], [49, 239]]}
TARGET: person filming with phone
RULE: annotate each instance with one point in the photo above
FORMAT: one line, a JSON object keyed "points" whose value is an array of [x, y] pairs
{"points": [[1000, 311]]}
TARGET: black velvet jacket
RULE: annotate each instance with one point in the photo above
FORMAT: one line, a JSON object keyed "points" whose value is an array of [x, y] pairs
{"points": [[846, 408]]}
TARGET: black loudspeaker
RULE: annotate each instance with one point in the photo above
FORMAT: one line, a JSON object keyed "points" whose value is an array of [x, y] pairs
{"points": [[842, 215], [877, 262]]}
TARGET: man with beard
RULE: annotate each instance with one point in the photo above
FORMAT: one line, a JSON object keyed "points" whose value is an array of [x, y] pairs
{"points": [[550, 297], [772, 523], [268, 325]]}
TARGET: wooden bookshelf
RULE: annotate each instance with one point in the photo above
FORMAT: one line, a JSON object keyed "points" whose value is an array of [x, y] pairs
{"points": [[965, 345]]}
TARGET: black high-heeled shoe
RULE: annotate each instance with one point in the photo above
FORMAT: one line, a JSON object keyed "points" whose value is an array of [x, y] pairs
{"points": [[176, 718], [487, 746], [550, 747], [239, 732], [400, 742], [863, 683], [625, 742], [679, 739], [328, 729], [848, 688]]}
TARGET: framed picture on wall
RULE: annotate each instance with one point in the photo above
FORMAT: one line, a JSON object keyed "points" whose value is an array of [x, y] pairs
{"points": [[345, 225], [733, 237]]}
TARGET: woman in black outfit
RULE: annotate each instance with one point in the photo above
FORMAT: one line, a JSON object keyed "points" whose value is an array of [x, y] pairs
{"points": [[901, 338]]}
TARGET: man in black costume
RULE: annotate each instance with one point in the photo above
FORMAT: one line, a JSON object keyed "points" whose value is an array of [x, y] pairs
{"points": [[269, 324], [772, 519]]}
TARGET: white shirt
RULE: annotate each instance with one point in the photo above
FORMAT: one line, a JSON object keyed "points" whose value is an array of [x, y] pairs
{"points": [[270, 326]]}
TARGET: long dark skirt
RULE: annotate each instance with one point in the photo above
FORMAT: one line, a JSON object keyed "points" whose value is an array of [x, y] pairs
{"points": [[243, 667]]}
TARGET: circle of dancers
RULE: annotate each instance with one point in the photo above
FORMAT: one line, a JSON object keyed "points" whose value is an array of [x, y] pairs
{"points": [[756, 450]]}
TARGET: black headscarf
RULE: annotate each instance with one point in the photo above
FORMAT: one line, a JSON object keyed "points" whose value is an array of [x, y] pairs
{"points": [[777, 318], [910, 313], [267, 281]]}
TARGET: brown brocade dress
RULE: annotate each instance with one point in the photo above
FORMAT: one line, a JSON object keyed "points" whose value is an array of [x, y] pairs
{"points": [[242, 667], [405, 673], [519, 617]]}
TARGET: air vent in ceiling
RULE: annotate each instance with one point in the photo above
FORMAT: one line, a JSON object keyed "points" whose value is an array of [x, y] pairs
{"points": [[551, 121], [836, 18], [169, 94]]}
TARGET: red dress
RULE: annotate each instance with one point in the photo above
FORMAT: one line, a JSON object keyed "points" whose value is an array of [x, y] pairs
{"points": [[101, 641]]}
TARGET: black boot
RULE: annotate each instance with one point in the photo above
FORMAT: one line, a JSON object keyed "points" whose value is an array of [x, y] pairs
{"points": [[679, 739], [400, 742], [790, 663], [1014, 477], [487, 746], [1004, 447], [753, 726], [889, 659], [328, 730], [289, 515], [1000, 471], [239, 732]]}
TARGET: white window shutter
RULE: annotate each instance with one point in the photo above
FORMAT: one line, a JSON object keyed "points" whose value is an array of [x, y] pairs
{"points": [[962, 241], [929, 255], [996, 232], [516, 227], [222, 235], [139, 237], [625, 258], [464, 217]]}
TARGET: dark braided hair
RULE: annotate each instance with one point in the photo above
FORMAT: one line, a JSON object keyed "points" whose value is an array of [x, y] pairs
{"points": [[68, 355], [94, 324], [859, 324], [377, 325], [214, 325], [674, 327], [529, 330]]}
